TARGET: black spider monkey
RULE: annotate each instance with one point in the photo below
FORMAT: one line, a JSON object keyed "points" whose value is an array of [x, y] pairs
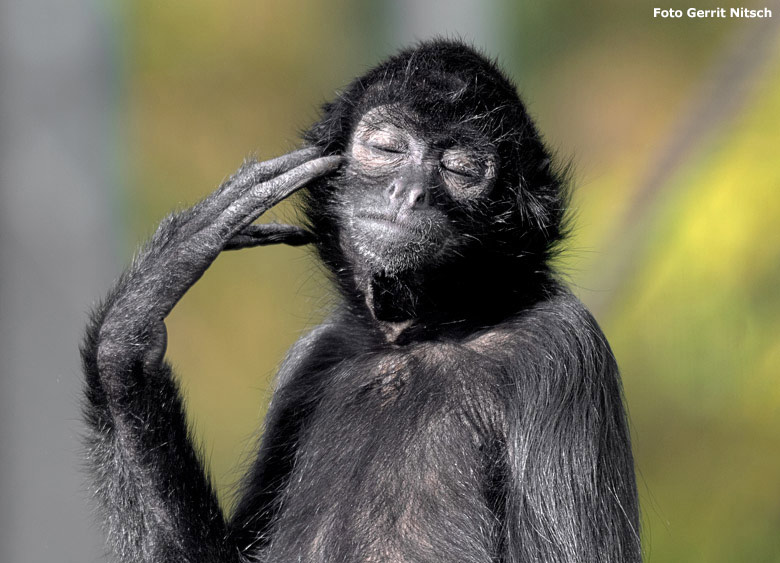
{"points": [[459, 405]]}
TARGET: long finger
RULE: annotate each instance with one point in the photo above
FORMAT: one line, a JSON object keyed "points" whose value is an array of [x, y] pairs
{"points": [[282, 164], [255, 172], [285, 184], [265, 195], [270, 233]]}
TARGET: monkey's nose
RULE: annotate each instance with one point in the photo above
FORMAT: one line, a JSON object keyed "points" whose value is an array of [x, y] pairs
{"points": [[410, 196], [417, 197]]}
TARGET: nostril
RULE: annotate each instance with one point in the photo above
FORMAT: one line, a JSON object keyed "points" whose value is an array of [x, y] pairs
{"points": [[418, 197], [392, 189]]}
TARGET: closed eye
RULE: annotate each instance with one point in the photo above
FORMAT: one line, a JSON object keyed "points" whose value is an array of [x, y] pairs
{"points": [[461, 170], [468, 165], [392, 149], [467, 174]]}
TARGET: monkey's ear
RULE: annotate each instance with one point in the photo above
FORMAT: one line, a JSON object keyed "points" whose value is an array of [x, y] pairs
{"points": [[541, 196]]}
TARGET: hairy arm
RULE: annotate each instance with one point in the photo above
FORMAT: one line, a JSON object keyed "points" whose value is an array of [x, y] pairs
{"points": [[157, 502], [571, 493]]}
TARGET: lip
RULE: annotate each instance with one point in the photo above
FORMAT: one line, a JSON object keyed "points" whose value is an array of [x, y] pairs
{"points": [[379, 223]]}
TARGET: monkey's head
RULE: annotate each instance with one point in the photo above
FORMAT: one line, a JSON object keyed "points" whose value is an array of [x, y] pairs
{"points": [[446, 189]]}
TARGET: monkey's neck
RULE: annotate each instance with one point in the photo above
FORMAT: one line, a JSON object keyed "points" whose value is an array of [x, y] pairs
{"points": [[391, 298], [403, 306], [391, 304], [416, 306]]}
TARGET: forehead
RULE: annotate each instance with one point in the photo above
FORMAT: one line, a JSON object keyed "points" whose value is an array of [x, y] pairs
{"points": [[390, 116], [439, 129]]}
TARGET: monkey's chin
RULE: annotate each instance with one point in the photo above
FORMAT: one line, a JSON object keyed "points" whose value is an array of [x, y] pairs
{"points": [[390, 262]]}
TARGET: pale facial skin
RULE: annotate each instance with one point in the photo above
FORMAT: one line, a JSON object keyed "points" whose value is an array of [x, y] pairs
{"points": [[394, 218], [382, 144]]}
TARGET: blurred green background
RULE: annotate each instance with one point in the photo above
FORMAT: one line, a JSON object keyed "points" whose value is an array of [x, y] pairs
{"points": [[674, 130]]}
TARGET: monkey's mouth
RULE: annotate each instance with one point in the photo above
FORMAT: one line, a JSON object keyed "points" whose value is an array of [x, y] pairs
{"points": [[416, 234], [391, 246], [384, 226]]}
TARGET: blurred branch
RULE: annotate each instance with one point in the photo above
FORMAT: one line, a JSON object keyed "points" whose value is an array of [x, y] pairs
{"points": [[722, 95]]}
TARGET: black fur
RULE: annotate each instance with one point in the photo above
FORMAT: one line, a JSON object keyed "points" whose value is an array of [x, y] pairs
{"points": [[466, 410]]}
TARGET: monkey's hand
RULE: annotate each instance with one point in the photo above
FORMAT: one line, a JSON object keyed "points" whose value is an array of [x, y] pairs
{"points": [[186, 243]]}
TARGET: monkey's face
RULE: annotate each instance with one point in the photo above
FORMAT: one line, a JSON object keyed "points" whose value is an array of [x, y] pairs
{"points": [[405, 188]]}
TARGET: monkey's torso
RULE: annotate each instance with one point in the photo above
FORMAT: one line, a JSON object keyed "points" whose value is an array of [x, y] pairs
{"points": [[441, 411], [354, 497]]}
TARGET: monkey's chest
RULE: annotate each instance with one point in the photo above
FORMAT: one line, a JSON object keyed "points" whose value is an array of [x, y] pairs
{"points": [[390, 460]]}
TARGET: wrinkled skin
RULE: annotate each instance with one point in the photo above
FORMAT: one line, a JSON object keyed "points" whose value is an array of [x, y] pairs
{"points": [[393, 179]]}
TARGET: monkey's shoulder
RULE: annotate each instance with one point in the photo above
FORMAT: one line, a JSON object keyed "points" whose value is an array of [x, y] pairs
{"points": [[560, 320], [556, 333]]}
